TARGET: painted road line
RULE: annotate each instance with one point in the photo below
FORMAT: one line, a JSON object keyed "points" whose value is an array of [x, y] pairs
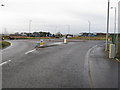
{"points": [[30, 51], [56, 43], [5, 62]]}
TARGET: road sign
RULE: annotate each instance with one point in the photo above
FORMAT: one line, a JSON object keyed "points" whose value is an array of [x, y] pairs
{"points": [[41, 42]]}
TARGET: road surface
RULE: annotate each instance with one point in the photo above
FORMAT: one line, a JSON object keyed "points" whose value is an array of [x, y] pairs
{"points": [[61, 66]]}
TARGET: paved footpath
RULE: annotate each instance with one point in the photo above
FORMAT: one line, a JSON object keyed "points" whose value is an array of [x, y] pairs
{"points": [[103, 72]]}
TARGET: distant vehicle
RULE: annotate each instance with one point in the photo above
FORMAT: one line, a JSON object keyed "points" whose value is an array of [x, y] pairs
{"points": [[91, 35], [57, 37], [88, 34], [11, 38], [69, 36]]}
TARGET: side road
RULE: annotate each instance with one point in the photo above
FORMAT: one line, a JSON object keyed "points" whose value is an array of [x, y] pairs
{"points": [[103, 72]]}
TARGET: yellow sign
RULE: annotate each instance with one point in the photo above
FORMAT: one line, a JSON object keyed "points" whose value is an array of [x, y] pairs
{"points": [[41, 42]]}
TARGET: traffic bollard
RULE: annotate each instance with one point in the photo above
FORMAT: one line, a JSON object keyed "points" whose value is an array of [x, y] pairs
{"points": [[65, 41]]}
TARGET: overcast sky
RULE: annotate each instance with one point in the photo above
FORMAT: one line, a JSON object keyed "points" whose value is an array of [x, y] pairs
{"points": [[55, 15]]}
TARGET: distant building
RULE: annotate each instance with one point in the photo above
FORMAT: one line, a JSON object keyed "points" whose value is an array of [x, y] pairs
{"points": [[88, 34], [101, 34], [24, 34]]}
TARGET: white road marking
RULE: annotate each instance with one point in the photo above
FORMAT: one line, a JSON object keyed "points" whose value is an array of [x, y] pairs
{"points": [[30, 51], [56, 43], [5, 62]]}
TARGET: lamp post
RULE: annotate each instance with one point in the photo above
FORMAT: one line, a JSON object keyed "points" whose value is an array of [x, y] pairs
{"points": [[115, 20], [107, 25], [115, 28], [89, 26], [30, 27]]}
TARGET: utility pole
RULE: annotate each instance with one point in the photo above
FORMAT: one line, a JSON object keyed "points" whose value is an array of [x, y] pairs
{"points": [[115, 21], [115, 35], [30, 27], [107, 25]]}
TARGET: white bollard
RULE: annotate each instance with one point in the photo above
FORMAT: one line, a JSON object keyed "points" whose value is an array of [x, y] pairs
{"points": [[65, 41], [112, 51]]}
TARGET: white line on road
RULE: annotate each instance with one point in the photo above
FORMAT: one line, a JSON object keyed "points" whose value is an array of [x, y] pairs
{"points": [[56, 43], [30, 51], [5, 62]]}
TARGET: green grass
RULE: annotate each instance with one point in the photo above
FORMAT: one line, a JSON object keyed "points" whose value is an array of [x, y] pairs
{"points": [[118, 54], [4, 44], [90, 38]]}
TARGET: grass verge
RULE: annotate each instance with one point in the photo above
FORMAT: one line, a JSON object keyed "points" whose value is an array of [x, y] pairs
{"points": [[90, 38], [4, 44], [118, 54]]}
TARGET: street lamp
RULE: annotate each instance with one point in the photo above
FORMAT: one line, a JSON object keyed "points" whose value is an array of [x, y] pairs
{"points": [[115, 20], [89, 26], [107, 25], [29, 26], [115, 28]]}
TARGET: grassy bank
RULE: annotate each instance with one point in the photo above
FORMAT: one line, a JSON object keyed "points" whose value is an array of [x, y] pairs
{"points": [[118, 55], [4, 44], [90, 38]]}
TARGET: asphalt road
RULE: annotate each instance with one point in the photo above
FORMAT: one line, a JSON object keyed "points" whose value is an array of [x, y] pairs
{"points": [[61, 66]]}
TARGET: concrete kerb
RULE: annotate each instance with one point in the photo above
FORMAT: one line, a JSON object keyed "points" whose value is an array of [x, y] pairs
{"points": [[87, 72], [117, 60], [44, 46], [11, 44]]}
